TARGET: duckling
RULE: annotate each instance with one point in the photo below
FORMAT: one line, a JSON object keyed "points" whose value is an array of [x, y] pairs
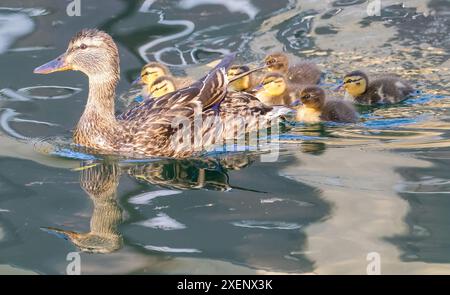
{"points": [[152, 128], [152, 71], [245, 83], [304, 72], [317, 108], [387, 90], [274, 90], [162, 86]]}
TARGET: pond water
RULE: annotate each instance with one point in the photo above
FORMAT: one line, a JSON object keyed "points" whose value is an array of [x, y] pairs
{"points": [[335, 194]]}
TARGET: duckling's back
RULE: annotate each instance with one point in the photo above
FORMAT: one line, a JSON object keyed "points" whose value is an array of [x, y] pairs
{"points": [[339, 111], [386, 90], [304, 73]]}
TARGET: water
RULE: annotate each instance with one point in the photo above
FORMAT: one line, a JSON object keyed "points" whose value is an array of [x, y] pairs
{"points": [[336, 192]]}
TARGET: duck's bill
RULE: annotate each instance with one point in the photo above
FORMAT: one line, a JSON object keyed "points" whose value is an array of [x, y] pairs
{"points": [[257, 88], [56, 65], [237, 77], [296, 103], [339, 86], [57, 232], [136, 81]]}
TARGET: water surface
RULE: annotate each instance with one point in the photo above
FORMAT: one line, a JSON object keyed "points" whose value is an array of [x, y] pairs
{"points": [[336, 192]]}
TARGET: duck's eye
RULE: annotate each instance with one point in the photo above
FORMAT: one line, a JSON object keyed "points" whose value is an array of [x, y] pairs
{"points": [[83, 46], [307, 96]]}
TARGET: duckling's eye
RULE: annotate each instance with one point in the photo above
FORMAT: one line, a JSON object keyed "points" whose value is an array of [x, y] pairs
{"points": [[307, 96], [83, 46]]}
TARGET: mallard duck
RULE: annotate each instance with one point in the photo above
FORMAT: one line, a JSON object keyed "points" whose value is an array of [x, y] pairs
{"points": [[235, 107], [316, 107], [303, 72], [389, 89], [245, 83], [274, 90], [154, 128]]}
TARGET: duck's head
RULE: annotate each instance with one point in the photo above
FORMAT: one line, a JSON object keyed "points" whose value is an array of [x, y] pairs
{"points": [[273, 84], [89, 242], [312, 97], [242, 83], [277, 62], [90, 51], [150, 72], [161, 86], [355, 83]]}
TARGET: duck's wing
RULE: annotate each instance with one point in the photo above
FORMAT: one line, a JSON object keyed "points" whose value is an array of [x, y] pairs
{"points": [[157, 131]]}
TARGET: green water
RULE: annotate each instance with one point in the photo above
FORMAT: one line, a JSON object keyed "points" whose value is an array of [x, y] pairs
{"points": [[335, 194]]}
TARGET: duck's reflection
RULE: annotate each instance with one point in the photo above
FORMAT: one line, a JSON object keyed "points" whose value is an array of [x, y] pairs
{"points": [[209, 174], [100, 181]]}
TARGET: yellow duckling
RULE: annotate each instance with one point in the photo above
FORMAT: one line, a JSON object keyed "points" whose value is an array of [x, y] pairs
{"points": [[315, 107], [152, 128], [274, 90], [304, 73], [152, 71], [162, 86], [386, 90], [245, 83]]}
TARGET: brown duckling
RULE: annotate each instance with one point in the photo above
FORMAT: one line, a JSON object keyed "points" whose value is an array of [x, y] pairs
{"points": [[245, 83], [315, 107], [274, 90], [304, 72], [386, 90], [152, 128]]}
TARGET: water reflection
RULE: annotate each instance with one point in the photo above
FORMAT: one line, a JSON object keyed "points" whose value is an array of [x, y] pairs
{"points": [[244, 233], [101, 179], [100, 182]]}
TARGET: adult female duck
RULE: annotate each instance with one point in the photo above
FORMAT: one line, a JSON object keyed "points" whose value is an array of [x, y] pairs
{"points": [[151, 128]]}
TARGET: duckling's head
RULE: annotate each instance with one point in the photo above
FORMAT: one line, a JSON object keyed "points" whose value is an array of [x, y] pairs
{"points": [[241, 84], [274, 84], [90, 51], [152, 71], [355, 83], [277, 62], [312, 97], [161, 86]]}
